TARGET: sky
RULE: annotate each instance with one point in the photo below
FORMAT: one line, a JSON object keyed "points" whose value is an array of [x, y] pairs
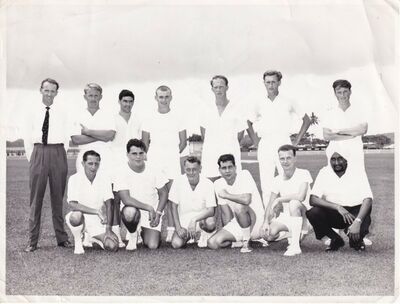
{"points": [[140, 45]]}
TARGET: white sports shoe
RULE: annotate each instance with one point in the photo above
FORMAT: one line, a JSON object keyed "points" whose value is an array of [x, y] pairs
{"points": [[87, 242], [190, 241], [237, 244], [131, 245], [202, 242], [367, 241], [246, 248], [79, 249], [262, 241], [282, 235], [292, 250], [121, 244]]}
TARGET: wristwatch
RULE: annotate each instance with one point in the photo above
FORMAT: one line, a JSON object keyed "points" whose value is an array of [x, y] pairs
{"points": [[159, 212]]}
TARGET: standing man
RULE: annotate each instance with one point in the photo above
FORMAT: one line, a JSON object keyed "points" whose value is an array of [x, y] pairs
{"points": [[272, 118], [165, 136], [193, 205], [125, 130], [222, 129], [290, 193], [241, 206], [341, 199], [45, 142], [94, 129], [345, 124], [90, 197], [144, 192]]}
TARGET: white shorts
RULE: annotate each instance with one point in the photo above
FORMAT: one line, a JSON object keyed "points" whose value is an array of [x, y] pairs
{"points": [[93, 225], [185, 220], [234, 228], [144, 221]]}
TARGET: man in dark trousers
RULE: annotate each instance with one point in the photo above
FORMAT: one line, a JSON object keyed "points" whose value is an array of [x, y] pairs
{"points": [[342, 199], [45, 142]]}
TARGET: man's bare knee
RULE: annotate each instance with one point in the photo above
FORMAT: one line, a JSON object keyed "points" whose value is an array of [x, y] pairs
{"points": [[177, 242], [295, 207], [212, 244], [153, 245], [129, 213], [209, 224], [76, 218]]}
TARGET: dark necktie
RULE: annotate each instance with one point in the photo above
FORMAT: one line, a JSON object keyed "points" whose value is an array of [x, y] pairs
{"points": [[45, 127]]}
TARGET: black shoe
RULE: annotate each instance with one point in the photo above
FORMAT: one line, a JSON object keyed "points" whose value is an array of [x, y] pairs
{"points": [[335, 244], [30, 248], [357, 246], [66, 244]]}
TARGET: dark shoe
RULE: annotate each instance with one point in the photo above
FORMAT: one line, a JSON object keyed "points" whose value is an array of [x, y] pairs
{"points": [[335, 244], [66, 244], [30, 248], [357, 246]]}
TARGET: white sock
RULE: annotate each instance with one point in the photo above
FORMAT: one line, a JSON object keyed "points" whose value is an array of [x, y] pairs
{"points": [[76, 233], [132, 240], [117, 230], [295, 229], [246, 234]]}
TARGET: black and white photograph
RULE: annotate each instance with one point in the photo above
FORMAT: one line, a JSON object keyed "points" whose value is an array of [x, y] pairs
{"points": [[199, 151]]}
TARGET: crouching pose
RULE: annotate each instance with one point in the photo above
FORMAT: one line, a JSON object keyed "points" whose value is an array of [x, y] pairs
{"points": [[289, 192], [144, 194], [90, 196], [341, 198], [193, 205], [241, 206]]}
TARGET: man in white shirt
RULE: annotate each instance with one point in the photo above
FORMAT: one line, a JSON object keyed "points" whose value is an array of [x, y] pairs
{"points": [[341, 198], [94, 129], [90, 197], [123, 127], [45, 142], [222, 129], [290, 193], [241, 206], [345, 124], [193, 205], [165, 136], [144, 193], [273, 120]]}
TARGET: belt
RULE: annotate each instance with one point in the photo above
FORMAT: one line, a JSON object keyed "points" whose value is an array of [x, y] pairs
{"points": [[50, 145]]}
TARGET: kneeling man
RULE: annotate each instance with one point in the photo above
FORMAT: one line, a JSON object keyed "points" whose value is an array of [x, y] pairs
{"points": [[341, 198], [289, 192], [241, 206], [193, 205], [90, 196], [144, 194]]}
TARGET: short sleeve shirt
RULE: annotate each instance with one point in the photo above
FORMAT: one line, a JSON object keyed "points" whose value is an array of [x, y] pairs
{"points": [[91, 194], [276, 119], [289, 186], [142, 186], [244, 183], [189, 200], [348, 190]]}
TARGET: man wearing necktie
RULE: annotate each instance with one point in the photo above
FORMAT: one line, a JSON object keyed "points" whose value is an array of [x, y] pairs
{"points": [[45, 142]]}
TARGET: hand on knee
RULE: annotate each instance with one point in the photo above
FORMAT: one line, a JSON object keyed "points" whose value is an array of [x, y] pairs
{"points": [[76, 218]]}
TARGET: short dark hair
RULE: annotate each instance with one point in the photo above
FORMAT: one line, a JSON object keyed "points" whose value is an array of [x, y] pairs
{"points": [[226, 157], [192, 160], [126, 93], [273, 73], [135, 143], [341, 83], [163, 88], [288, 148], [90, 153], [50, 80], [219, 77]]}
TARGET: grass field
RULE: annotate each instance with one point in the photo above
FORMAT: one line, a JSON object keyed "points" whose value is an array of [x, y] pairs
{"points": [[202, 272]]}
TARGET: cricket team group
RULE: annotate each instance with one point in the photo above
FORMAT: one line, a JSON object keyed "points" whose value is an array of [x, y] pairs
{"points": [[128, 171]]}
